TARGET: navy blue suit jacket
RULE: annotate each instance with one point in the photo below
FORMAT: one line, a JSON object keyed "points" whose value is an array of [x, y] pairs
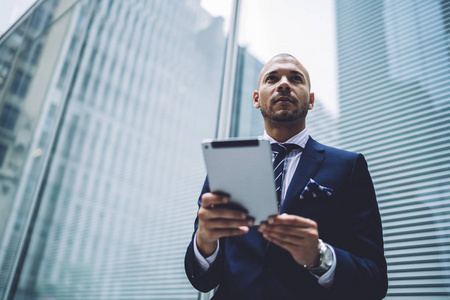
{"points": [[248, 267]]}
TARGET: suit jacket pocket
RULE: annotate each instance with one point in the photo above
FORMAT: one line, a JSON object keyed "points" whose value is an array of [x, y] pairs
{"points": [[316, 192]]}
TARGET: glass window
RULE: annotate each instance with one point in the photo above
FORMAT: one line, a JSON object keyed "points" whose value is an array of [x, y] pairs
{"points": [[3, 149], [28, 140], [9, 116], [104, 105], [112, 205], [20, 83]]}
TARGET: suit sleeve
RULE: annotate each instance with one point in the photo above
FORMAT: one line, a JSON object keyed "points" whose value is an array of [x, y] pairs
{"points": [[203, 281], [361, 267]]}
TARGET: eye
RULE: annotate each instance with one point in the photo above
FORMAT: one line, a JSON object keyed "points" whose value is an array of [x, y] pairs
{"points": [[297, 78], [271, 78]]}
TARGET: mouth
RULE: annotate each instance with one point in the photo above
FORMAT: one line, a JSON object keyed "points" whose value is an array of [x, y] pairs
{"points": [[284, 99]]}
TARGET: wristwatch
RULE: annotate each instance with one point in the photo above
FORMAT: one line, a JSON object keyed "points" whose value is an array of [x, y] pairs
{"points": [[325, 260]]}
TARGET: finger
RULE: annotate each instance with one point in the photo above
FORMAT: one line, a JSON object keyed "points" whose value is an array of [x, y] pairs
{"points": [[220, 224], [205, 214], [226, 213], [286, 241], [300, 232], [210, 199], [282, 236], [291, 220], [219, 233]]}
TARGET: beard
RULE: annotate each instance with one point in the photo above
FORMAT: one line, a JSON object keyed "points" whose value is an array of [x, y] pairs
{"points": [[284, 115]]}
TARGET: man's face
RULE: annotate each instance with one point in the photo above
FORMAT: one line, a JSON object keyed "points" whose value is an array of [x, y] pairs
{"points": [[283, 94]]}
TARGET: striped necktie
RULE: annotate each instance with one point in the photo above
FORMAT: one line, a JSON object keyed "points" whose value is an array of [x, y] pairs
{"points": [[281, 150]]}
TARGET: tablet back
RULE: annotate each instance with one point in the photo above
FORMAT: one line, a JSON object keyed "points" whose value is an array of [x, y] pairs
{"points": [[243, 169]]}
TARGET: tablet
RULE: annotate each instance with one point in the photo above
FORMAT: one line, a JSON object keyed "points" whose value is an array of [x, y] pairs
{"points": [[243, 169]]}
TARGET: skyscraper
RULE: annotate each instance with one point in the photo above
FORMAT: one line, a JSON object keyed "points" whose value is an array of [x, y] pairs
{"points": [[23, 58], [394, 66], [133, 87]]}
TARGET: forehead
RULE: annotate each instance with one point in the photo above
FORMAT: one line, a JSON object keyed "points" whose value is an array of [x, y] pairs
{"points": [[284, 64]]}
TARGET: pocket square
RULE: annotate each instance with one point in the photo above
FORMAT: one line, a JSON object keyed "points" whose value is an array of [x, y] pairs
{"points": [[314, 189]]}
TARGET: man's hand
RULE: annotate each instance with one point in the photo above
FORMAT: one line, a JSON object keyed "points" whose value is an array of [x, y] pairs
{"points": [[297, 235], [216, 221]]}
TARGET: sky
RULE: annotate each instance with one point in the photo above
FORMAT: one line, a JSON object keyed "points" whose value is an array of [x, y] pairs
{"points": [[303, 28], [11, 10]]}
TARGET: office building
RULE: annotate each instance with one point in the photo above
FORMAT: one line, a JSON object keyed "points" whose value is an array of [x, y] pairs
{"points": [[24, 56], [394, 61], [103, 105], [118, 132]]}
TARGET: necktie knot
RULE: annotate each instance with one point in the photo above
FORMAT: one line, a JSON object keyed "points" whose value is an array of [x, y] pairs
{"points": [[284, 149]]}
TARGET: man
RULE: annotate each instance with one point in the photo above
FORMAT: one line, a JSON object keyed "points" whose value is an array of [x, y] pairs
{"points": [[325, 192]]}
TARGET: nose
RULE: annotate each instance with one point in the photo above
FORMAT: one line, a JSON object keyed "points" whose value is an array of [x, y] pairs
{"points": [[284, 84]]}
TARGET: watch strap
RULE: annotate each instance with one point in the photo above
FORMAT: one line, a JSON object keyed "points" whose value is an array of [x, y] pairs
{"points": [[325, 260]]}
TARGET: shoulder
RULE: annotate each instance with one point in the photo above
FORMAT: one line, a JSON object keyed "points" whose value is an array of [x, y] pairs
{"points": [[336, 156], [332, 151]]}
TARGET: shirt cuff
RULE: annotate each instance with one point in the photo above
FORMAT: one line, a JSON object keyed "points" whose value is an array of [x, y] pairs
{"points": [[203, 262], [327, 279]]}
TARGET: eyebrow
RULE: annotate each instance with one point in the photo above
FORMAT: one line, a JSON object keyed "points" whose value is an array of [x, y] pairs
{"points": [[291, 72]]}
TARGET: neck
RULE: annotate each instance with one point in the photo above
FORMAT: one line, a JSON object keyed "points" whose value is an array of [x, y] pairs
{"points": [[281, 132]]}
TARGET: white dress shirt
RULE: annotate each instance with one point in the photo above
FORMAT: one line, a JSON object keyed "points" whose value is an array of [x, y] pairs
{"points": [[290, 165]]}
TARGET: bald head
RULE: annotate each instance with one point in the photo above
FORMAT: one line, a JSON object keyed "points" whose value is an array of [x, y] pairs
{"points": [[282, 57]]}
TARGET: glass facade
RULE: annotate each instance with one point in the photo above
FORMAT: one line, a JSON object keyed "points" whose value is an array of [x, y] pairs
{"points": [[24, 56], [394, 66], [103, 105], [100, 108]]}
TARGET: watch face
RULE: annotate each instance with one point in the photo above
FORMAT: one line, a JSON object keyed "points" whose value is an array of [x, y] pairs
{"points": [[327, 258]]}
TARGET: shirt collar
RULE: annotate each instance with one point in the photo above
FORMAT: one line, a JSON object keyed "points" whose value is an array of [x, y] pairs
{"points": [[300, 138]]}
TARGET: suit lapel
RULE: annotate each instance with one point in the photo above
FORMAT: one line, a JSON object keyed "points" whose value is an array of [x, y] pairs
{"points": [[310, 161]]}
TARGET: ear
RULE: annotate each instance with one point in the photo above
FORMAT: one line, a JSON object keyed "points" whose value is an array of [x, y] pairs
{"points": [[256, 99], [311, 101]]}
